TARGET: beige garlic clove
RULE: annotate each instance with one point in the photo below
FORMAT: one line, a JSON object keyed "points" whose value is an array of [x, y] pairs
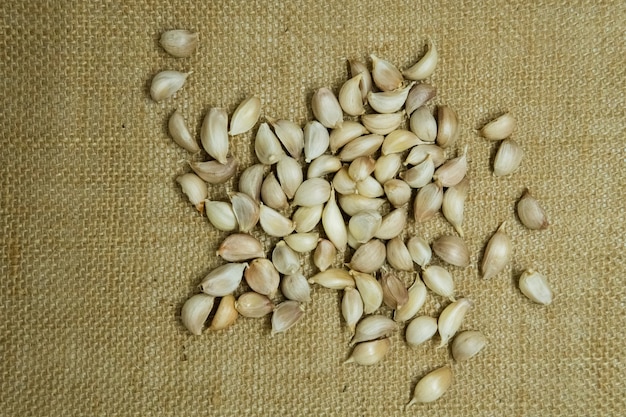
{"points": [[333, 223], [424, 125], [453, 171], [398, 192], [531, 213], [425, 67], [447, 127], [247, 211], [223, 280], [535, 286], [166, 83], [508, 158], [351, 307], [272, 194], [421, 329], [246, 115], [398, 255], [214, 134], [290, 135], [179, 43], [195, 312], [302, 242], [262, 277], [417, 298], [275, 224], [361, 168], [454, 203], [387, 167], [333, 278], [286, 315], [427, 202], [362, 146], [439, 281], [370, 188], [324, 254], [225, 315], [351, 204], [214, 172], [307, 218], [326, 108], [421, 174], [369, 353], [285, 260], [388, 101], [350, 96], [251, 180], [451, 318], [395, 294], [453, 250], [499, 128], [420, 250], [467, 345], [323, 165], [179, 132], [348, 131], [296, 287], [431, 387], [240, 247], [316, 140], [497, 253], [382, 124], [392, 224], [359, 68], [221, 215], [369, 257], [419, 95], [420, 152], [343, 183], [364, 225], [254, 305], [195, 189], [267, 146], [289, 174], [399, 141], [373, 327], [370, 289], [312, 192], [386, 76]]}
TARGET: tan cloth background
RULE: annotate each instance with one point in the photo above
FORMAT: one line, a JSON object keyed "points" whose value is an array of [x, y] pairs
{"points": [[100, 248]]}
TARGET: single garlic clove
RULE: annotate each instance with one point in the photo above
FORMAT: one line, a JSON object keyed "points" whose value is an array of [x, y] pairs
{"points": [[307, 218], [326, 108], [225, 315], [179, 132], [535, 286], [382, 124], [272, 194], [388, 101], [302, 242], [275, 224], [386, 76], [530, 212], [324, 254], [361, 168], [359, 68], [247, 211], [333, 278], [323, 165], [221, 215], [497, 253], [223, 280], [343, 183], [312, 192], [431, 387], [421, 329], [387, 167], [420, 152], [351, 307], [251, 180], [262, 277], [427, 202], [254, 305], [348, 131], [334, 225], [417, 298], [467, 345], [398, 255], [179, 43], [351, 204], [370, 188], [392, 224], [290, 135], [267, 146], [373, 327], [419, 95], [245, 116], [214, 172], [166, 83], [499, 128], [439, 281], [316, 140], [362, 146], [453, 250], [195, 189], [296, 287], [398, 192], [286, 315], [370, 289], [425, 67], [424, 125], [285, 259], [399, 141], [195, 311], [364, 225], [240, 247], [369, 353], [508, 158], [421, 174], [369, 257], [395, 294], [454, 203], [214, 134], [420, 251], [451, 318], [350, 96], [453, 171], [447, 126]]}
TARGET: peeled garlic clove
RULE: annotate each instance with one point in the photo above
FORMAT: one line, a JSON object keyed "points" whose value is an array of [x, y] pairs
{"points": [[273, 194], [223, 280], [295, 287], [359, 68], [370, 289], [386, 76], [399, 141], [275, 224], [302, 242], [253, 305], [306, 218], [419, 95], [373, 327], [439, 281], [497, 253], [343, 183], [388, 101], [369, 257], [324, 254], [351, 307], [454, 203], [350, 96], [166, 83], [417, 298], [316, 140], [289, 174], [432, 386], [195, 311], [326, 108], [361, 168], [369, 353], [334, 225], [225, 315], [535, 286], [285, 259], [397, 192], [363, 146], [348, 131], [453, 171], [421, 329], [246, 210], [267, 146], [194, 188], [351, 204], [427, 202], [425, 67], [530, 212], [312, 192], [245, 116], [214, 172], [179, 43], [364, 225], [370, 188], [508, 158], [499, 128], [240, 247], [420, 251], [467, 345], [398, 255], [395, 294], [290, 135], [392, 224], [221, 215], [387, 167], [424, 125], [382, 124], [333, 278], [179, 132], [214, 134], [453, 250], [419, 175], [251, 180], [262, 277], [421, 152], [451, 318], [447, 126], [323, 165], [285, 316]]}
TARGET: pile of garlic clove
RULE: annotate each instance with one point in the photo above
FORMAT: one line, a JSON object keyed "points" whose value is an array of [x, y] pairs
{"points": [[344, 188]]}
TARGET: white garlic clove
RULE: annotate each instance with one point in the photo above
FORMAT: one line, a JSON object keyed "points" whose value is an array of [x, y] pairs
{"points": [[166, 83], [307, 218], [499, 128], [323, 165], [214, 134], [290, 135], [275, 224], [356, 68], [497, 253], [425, 67], [272, 194], [420, 152], [453, 250], [369, 353], [364, 225], [427, 202], [454, 203], [247, 211], [179, 43], [254, 305], [316, 140], [399, 141], [267, 146], [343, 183], [382, 124], [362, 146], [398, 255], [289, 174], [535, 286], [508, 158], [530, 212], [333, 278], [351, 306], [386, 76], [251, 180], [223, 280], [467, 345], [286, 315], [373, 327], [195, 312], [179, 132], [369, 188], [326, 108], [195, 189], [421, 329], [447, 126], [451, 318], [285, 259], [361, 168], [245, 116], [348, 131], [453, 171], [431, 387], [419, 95], [392, 224], [302, 242], [240, 247], [388, 101], [387, 167], [296, 287], [395, 294], [421, 174], [324, 254], [350, 96], [417, 298], [424, 125], [369, 257], [214, 172], [420, 251], [312, 192], [225, 315], [370, 289], [221, 215], [262, 277], [398, 192], [334, 225], [439, 281]]}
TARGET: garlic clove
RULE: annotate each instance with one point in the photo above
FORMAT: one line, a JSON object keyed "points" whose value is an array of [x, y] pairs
{"points": [[497, 253], [425, 67], [302, 242], [420, 152], [267, 146], [333, 278], [359, 68], [362, 146], [530, 212], [361, 168], [399, 141], [453, 250], [417, 298], [285, 260], [369, 353], [179, 43], [398, 255], [508, 158], [262, 277], [326, 108], [370, 188], [424, 125], [398, 192], [439, 281], [221, 215], [535, 286], [312, 192], [275, 224], [316, 140], [251, 180], [195, 189], [382, 124], [364, 225], [166, 83], [387, 167], [499, 128], [272, 194], [245, 116], [343, 183], [395, 294], [290, 135], [419, 95], [386, 76], [307, 218], [373, 327], [225, 315], [324, 254], [370, 289], [447, 126], [240, 247], [392, 224], [348, 131], [223, 280], [454, 204], [388, 101], [214, 134], [453, 171], [427, 202], [420, 329], [431, 387], [179, 132], [369, 257], [467, 345], [247, 211], [421, 174], [323, 165], [195, 312], [420, 251], [351, 204], [254, 305], [351, 307], [350, 96], [296, 287], [333, 223], [214, 172], [286, 315], [451, 319]]}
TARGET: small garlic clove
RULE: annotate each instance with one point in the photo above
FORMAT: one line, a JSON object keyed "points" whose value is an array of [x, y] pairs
{"points": [[362, 146], [307, 218], [420, 152], [387, 167], [508, 158], [246, 211], [334, 225], [398, 255], [364, 225], [530, 212], [382, 124], [359, 68], [262, 277], [453, 171], [324, 254], [417, 298], [267, 146], [454, 203], [425, 67], [195, 189], [272, 194], [439, 281], [195, 312], [302, 242], [253, 305], [290, 135], [166, 83], [467, 345], [275, 224], [535, 286], [427, 202], [351, 307], [223, 280], [214, 134], [312, 192], [395, 294], [499, 128], [447, 126], [419, 95], [351, 204], [421, 329], [343, 183], [286, 315], [421, 174], [361, 168], [399, 141], [370, 188], [397, 192], [451, 319], [240, 247], [348, 131], [296, 287], [326, 108], [251, 180], [373, 327], [225, 315], [420, 251], [179, 132], [388, 101], [392, 224], [453, 250], [316, 140], [386, 76], [179, 43], [289, 174], [323, 165], [424, 125], [497, 253], [333, 278], [431, 387], [369, 257], [369, 353], [221, 215], [285, 260], [245, 116], [350, 96], [370, 289], [214, 172]]}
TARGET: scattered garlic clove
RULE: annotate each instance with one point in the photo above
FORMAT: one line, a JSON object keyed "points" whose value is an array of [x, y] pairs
{"points": [[398, 255], [508, 158], [326, 108], [364, 225], [467, 345], [421, 329], [427, 202], [246, 211], [195, 311], [395, 294], [420, 251], [359, 68], [179, 132], [240, 247], [323, 165], [246, 115], [253, 305], [530, 212], [425, 67], [369, 353], [316, 140], [251, 180], [262, 277], [312, 192], [214, 172], [417, 298], [370, 188], [307, 218], [451, 318], [195, 189], [351, 204], [348, 131], [497, 253], [267, 146], [351, 307], [369, 257], [333, 223], [382, 124], [343, 183], [431, 387], [272, 194], [421, 174], [454, 203], [350, 96], [535, 286], [386, 76], [221, 215], [499, 128], [179, 43], [388, 101], [285, 260], [419, 95], [439, 281], [225, 315], [420, 152], [285, 316], [392, 224], [362, 146], [424, 125], [324, 254], [214, 134], [453, 250], [447, 126], [275, 224], [166, 83], [289, 174], [387, 167], [333, 278], [223, 280], [373, 327], [370, 289], [399, 141], [398, 192], [453, 171], [296, 287], [302, 242], [290, 135], [361, 168]]}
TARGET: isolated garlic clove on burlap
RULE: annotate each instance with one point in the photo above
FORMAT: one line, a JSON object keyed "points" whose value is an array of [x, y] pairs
{"points": [[247, 211], [195, 311], [370, 290], [508, 158], [369, 353], [420, 330], [166, 83], [262, 277], [246, 115], [221, 215], [254, 305], [179, 132], [223, 280], [195, 189], [431, 387], [290, 135], [225, 315], [214, 172], [467, 345], [326, 108], [285, 316], [499, 128], [453, 250], [296, 287], [451, 319], [267, 146], [425, 67], [423, 124], [350, 96], [535, 286], [214, 134], [333, 278], [419, 95], [351, 307], [530, 212], [417, 298], [179, 43], [497, 253], [316, 140], [386, 76], [240, 247]]}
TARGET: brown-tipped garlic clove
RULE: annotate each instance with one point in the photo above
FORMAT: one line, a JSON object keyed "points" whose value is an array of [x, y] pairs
{"points": [[225, 315], [431, 387], [421, 329], [508, 158], [166, 83], [497, 253], [369, 257], [427, 202], [369, 353], [531, 213], [285, 259], [333, 278], [223, 280], [451, 318], [296, 287], [245, 116], [214, 172], [499, 128], [214, 134], [439, 281], [398, 255], [247, 211], [419, 95], [179, 43], [262, 277], [286, 315], [386, 76], [326, 108], [398, 192], [426, 65], [467, 345], [195, 311], [453, 250], [240, 247], [447, 126], [179, 132], [195, 189], [535, 286], [254, 305], [417, 298], [395, 294], [351, 308]]}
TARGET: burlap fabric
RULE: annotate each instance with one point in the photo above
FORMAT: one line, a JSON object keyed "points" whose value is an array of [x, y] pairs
{"points": [[100, 248]]}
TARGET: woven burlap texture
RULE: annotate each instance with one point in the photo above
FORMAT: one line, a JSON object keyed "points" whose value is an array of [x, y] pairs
{"points": [[100, 248]]}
